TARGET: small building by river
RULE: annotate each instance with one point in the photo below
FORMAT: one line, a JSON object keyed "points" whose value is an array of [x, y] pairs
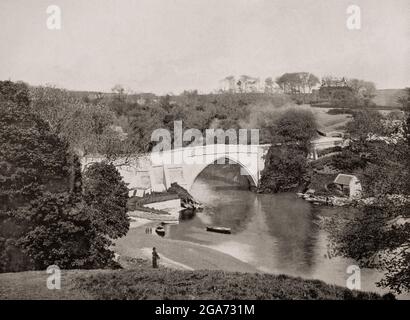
{"points": [[349, 184]]}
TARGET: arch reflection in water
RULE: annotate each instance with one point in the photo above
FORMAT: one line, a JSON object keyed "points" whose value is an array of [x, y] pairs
{"points": [[274, 233]]}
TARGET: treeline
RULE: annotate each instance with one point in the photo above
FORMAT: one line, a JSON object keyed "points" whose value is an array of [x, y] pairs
{"points": [[122, 123]]}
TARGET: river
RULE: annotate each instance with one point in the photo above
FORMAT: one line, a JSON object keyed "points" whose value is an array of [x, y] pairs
{"points": [[275, 233]]}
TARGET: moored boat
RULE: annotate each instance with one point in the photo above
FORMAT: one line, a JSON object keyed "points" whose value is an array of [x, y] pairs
{"points": [[160, 230], [218, 229]]}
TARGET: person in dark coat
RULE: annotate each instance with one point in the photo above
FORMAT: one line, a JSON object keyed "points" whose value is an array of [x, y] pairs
{"points": [[155, 258]]}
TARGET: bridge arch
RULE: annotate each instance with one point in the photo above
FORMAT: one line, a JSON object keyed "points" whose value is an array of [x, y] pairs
{"points": [[193, 173]]}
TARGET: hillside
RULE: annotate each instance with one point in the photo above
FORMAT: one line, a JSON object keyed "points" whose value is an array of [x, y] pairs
{"points": [[388, 97], [142, 282]]}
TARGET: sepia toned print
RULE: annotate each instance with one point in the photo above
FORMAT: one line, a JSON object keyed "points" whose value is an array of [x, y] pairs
{"points": [[205, 150]]}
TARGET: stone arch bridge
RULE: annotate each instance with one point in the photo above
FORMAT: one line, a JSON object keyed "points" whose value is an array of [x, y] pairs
{"points": [[157, 170]]}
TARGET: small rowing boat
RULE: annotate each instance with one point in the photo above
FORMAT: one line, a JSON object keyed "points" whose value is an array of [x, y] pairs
{"points": [[219, 229], [160, 230]]}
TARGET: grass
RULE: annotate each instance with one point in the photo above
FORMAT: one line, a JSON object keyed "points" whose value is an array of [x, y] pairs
{"points": [[143, 282], [162, 284], [330, 122]]}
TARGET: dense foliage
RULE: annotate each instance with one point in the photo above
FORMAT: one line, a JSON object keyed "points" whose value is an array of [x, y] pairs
{"points": [[297, 82], [361, 93], [285, 169], [378, 236], [106, 195], [88, 128], [43, 217], [286, 161]]}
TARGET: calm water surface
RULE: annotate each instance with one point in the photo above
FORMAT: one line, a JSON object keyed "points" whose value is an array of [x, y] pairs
{"points": [[275, 233]]}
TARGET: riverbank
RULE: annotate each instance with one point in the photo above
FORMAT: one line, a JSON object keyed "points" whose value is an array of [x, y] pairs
{"points": [[176, 253], [143, 282]]}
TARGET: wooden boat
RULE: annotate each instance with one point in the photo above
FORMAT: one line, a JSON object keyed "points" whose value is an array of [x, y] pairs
{"points": [[160, 230], [218, 229]]}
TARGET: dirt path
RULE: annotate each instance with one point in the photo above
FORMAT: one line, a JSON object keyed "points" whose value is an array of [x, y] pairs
{"points": [[178, 254]]}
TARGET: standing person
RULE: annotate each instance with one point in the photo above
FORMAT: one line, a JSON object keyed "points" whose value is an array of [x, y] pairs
{"points": [[155, 258]]}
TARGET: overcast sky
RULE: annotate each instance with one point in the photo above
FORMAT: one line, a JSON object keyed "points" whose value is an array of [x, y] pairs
{"points": [[170, 45]]}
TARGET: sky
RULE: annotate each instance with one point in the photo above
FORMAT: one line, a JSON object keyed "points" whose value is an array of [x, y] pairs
{"points": [[167, 46]]}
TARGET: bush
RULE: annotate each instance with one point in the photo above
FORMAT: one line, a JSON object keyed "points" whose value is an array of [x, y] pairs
{"points": [[348, 161], [106, 194]]}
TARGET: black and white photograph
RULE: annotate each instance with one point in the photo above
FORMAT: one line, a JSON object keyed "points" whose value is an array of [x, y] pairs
{"points": [[205, 150]]}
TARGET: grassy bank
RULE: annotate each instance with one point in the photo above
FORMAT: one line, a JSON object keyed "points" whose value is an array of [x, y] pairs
{"points": [[142, 282]]}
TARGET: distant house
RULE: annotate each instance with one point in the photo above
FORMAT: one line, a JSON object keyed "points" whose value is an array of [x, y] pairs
{"points": [[335, 90], [349, 184]]}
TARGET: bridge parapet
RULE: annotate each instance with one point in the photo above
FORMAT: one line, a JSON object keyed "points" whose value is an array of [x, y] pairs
{"points": [[183, 165]]}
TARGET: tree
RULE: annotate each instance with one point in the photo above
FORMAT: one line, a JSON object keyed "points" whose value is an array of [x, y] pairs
{"points": [[311, 81], [285, 169], [106, 194], [404, 101], [364, 91], [297, 82], [119, 92], [364, 123], [286, 161], [243, 83], [295, 126], [269, 85], [88, 128], [350, 93], [378, 235], [229, 84], [16, 92], [43, 220]]}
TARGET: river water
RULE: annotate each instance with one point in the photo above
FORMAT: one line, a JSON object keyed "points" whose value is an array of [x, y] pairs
{"points": [[275, 233]]}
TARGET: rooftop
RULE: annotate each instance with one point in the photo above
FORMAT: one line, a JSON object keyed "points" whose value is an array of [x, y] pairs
{"points": [[344, 179]]}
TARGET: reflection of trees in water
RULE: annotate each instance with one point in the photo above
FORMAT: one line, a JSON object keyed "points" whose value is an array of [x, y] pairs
{"points": [[187, 214], [234, 215], [291, 222], [233, 207]]}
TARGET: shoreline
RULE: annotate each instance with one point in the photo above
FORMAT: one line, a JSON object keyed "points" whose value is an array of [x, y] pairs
{"points": [[177, 254]]}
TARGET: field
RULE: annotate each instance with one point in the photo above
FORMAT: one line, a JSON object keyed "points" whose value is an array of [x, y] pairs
{"points": [[330, 122], [388, 97]]}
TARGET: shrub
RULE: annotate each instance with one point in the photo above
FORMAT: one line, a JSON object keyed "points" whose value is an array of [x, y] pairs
{"points": [[106, 194], [348, 161]]}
